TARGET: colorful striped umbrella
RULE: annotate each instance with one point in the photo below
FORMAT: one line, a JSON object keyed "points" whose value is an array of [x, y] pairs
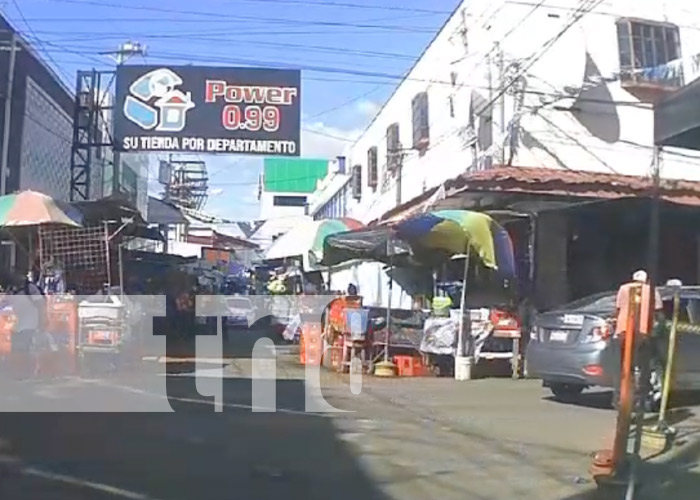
{"points": [[29, 208], [459, 232], [306, 240]]}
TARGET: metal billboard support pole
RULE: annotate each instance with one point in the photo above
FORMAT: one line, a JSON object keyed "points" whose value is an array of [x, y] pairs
{"points": [[122, 54], [7, 118]]}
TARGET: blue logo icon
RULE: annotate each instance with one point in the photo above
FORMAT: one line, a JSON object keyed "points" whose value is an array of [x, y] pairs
{"points": [[155, 103]]}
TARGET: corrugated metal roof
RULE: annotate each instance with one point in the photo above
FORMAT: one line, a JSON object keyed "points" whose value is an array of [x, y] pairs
{"points": [[576, 183], [554, 182]]}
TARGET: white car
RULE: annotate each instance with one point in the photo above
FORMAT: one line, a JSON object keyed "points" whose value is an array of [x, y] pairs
{"points": [[241, 311]]}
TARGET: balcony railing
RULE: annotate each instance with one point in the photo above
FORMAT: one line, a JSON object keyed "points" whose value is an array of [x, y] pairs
{"points": [[667, 77]]}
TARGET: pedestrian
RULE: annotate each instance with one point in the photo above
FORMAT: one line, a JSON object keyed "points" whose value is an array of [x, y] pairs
{"points": [[29, 308]]}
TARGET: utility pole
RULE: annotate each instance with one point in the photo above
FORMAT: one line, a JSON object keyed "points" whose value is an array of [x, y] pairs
{"points": [[399, 174], [501, 102], [125, 52], [487, 113], [7, 118]]}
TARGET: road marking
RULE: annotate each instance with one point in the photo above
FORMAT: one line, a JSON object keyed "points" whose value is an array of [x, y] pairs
{"points": [[74, 481], [239, 406]]}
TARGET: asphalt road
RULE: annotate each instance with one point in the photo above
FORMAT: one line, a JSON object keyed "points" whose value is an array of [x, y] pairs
{"points": [[399, 439]]}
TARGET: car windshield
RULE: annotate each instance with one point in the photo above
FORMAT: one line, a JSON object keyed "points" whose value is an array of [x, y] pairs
{"points": [[241, 303], [593, 303]]}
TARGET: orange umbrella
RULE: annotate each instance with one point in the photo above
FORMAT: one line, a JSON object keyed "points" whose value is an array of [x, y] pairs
{"points": [[29, 208]]}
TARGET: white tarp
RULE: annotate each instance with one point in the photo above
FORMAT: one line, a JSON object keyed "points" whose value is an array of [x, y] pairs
{"points": [[440, 334]]}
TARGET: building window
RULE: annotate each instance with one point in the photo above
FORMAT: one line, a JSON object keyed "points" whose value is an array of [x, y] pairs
{"points": [[650, 53], [289, 201], [357, 182], [393, 147], [421, 124], [372, 174]]}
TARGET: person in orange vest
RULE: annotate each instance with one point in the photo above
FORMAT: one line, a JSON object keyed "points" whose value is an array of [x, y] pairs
{"points": [[624, 301]]}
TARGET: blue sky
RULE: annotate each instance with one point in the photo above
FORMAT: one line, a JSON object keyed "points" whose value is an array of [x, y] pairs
{"points": [[342, 47]]}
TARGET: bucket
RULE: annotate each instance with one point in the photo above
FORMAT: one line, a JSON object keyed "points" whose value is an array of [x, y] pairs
{"points": [[463, 367], [356, 321]]}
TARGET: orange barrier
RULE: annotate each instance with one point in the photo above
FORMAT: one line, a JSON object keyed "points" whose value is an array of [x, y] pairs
{"points": [[310, 344], [606, 463], [62, 325], [7, 323]]}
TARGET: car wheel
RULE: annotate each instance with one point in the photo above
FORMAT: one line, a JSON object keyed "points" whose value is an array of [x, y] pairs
{"points": [[566, 392]]}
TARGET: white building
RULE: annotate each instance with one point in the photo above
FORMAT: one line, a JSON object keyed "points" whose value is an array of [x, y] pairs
{"points": [[333, 193], [533, 84], [559, 84]]}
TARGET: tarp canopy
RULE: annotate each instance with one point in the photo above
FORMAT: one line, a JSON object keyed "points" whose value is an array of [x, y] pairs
{"points": [[427, 239], [306, 240], [677, 118], [163, 212], [377, 243]]}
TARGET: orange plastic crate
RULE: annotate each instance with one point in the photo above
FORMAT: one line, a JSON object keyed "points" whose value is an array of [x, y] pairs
{"points": [[409, 366], [311, 344]]}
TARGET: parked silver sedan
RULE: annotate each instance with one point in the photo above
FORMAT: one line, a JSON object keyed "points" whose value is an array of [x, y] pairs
{"points": [[571, 348]]}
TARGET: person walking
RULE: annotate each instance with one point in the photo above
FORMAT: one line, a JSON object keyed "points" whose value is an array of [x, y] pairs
{"points": [[29, 309]]}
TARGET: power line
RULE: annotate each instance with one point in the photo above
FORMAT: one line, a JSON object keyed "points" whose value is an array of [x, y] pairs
{"points": [[269, 20], [585, 6], [316, 48], [350, 5], [339, 70], [344, 104], [151, 21], [597, 13], [257, 62], [29, 28], [324, 134]]}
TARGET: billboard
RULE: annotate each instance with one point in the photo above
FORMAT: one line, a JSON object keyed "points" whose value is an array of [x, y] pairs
{"points": [[194, 109]]}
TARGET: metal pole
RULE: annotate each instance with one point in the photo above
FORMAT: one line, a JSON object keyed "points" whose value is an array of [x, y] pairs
{"points": [[501, 102], [121, 270], [117, 157], [399, 169], [388, 309], [643, 351], [462, 309], [668, 376], [107, 257], [654, 222], [125, 50], [640, 393], [7, 119]]}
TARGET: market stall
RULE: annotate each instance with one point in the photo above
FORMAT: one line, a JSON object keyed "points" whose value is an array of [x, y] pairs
{"points": [[431, 239], [298, 254], [23, 216]]}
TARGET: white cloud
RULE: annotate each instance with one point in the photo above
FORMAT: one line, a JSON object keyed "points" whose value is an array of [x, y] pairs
{"points": [[367, 107], [321, 141]]}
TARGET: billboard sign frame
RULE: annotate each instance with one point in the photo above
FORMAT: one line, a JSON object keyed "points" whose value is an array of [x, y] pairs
{"points": [[204, 109]]}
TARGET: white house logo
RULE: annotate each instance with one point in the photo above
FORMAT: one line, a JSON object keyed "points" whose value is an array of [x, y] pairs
{"points": [[155, 103]]}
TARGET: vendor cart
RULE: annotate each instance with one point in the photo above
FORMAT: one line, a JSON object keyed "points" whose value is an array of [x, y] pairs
{"points": [[103, 331], [347, 335]]}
